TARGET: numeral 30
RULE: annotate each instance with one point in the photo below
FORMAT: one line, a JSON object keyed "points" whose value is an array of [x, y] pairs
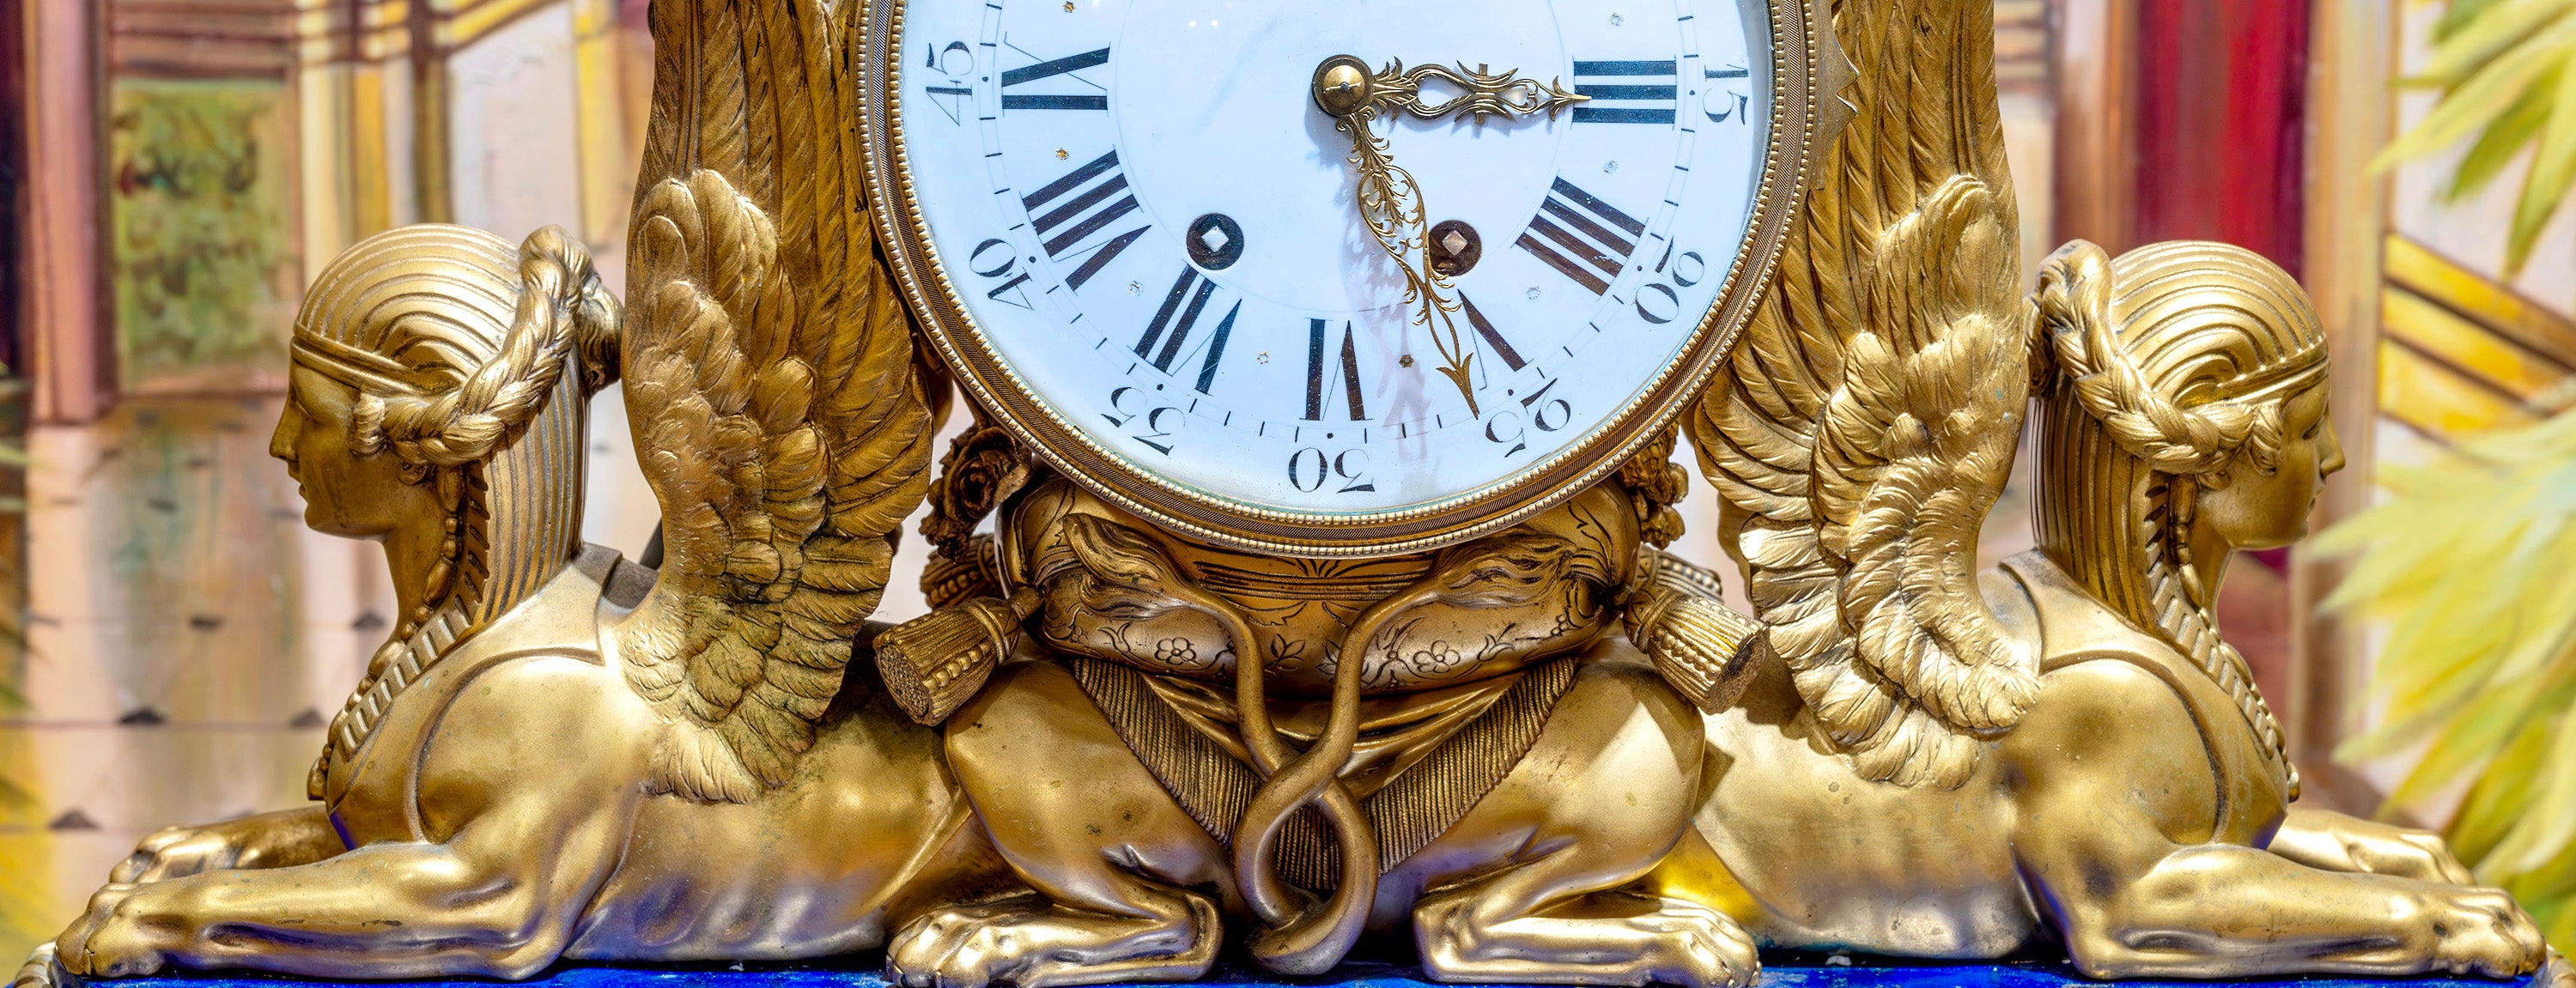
{"points": [[1309, 469]]}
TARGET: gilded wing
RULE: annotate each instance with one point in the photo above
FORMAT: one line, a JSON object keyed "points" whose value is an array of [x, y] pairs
{"points": [[769, 377], [1867, 419]]}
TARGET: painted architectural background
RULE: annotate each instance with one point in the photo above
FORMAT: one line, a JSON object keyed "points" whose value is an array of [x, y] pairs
{"points": [[172, 171], [181, 634]]}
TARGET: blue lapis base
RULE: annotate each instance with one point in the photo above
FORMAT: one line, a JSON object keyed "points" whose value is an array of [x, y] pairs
{"points": [[1778, 971]]}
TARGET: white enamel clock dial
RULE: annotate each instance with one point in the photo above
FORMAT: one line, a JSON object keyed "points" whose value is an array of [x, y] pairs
{"points": [[1147, 232]]}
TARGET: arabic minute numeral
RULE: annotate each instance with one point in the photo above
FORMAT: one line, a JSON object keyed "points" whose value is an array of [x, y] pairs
{"points": [[955, 99], [1721, 113], [1310, 468], [1151, 426], [1688, 261], [1550, 414], [1354, 475], [995, 258], [1545, 414]]}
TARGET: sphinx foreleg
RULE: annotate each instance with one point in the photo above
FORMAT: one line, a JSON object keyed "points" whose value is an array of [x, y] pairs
{"points": [[485, 903], [2116, 844], [267, 840], [1537, 884], [1121, 873], [2331, 841], [510, 849]]}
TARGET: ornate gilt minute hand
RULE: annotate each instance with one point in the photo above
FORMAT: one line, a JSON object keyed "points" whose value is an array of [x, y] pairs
{"points": [[1390, 201]]}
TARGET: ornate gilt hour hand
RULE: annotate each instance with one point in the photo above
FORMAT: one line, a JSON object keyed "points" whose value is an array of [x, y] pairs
{"points": [[1390, 202]]}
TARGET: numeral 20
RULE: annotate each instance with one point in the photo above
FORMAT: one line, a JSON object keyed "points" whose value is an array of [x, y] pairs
{"points": [[1698, 267]]}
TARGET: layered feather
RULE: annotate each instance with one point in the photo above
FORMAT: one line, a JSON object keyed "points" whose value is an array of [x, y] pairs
{"points": [[768, 369], [1867, 421]]}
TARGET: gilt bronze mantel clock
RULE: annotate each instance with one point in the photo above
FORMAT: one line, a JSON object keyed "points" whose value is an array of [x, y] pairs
{"points": [[1300, 589]]}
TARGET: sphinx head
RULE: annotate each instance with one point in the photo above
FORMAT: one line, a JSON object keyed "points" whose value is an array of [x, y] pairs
{"points": [[438, 382], [2186, 417]]}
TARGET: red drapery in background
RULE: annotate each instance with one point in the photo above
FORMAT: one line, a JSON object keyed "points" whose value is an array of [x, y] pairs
{"points": [[2218, 107], [2221, 101], [13, 184]]}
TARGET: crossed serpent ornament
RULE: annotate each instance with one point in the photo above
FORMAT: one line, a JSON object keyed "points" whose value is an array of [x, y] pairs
{"points": [[1550, 755]]}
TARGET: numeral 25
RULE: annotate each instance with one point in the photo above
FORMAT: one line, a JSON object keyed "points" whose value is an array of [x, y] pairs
{"points": [[1545, 413]]}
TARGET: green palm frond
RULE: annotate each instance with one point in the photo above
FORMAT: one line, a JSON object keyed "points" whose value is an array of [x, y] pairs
{"points": [[2502, 67], [2467, 564]]}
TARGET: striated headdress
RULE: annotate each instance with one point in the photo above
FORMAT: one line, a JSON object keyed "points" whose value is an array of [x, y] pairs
{"points": [[458, 348]]}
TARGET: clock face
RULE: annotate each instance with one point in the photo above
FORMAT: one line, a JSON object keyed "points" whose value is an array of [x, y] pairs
{"points": [[1146, 243]]}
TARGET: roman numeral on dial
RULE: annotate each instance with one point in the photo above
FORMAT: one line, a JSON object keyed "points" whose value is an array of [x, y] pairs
{"points": [[1485, 328], [1627, 92], [1579, 235], [1070, 209], [1048, 69], [1172, 324], [1317, 358]]}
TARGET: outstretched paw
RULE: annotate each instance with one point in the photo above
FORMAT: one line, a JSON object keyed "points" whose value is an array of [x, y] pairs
{"points": [[177, 852], [1676, 943], [1033, 944], [1701, 948], [2482, 932], [2556, 972]]}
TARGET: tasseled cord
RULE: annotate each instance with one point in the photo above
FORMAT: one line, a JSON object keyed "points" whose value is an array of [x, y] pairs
{"points": [[1674, 615], [934, 663]]}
